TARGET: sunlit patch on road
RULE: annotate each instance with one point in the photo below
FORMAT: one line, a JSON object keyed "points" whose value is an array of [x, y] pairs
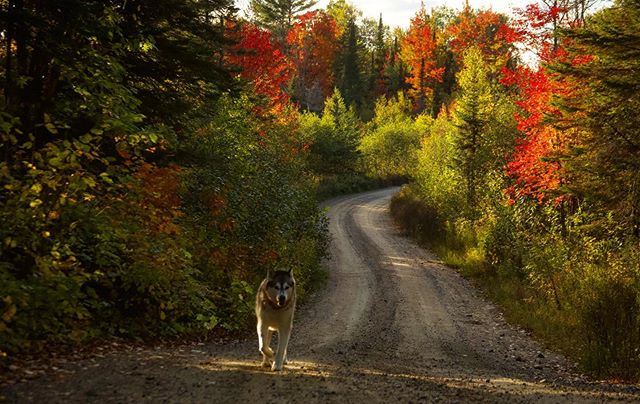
{"points": [[253, 366], [358, 378]]}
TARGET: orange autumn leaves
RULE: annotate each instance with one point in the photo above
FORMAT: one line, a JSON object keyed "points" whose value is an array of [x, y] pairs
{"points": [[262, 63], [426, 44], [418, 53], [313, 46], [537, 166], [308, 55]]}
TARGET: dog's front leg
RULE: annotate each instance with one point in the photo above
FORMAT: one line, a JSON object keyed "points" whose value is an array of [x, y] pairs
{"points": [[283, 341], [264, 339]]}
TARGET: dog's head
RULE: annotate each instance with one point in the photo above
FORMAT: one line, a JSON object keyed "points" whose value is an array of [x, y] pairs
{"points": [[280, 286]]}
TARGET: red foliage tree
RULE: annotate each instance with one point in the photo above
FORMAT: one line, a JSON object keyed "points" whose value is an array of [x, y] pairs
{"points": [[536, 28], [486, 30], [417, 51], [536, 165], [313, 44], [262, 62]]}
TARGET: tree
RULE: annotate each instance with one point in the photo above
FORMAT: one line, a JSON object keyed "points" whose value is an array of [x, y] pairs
{"points": [[418, 53], [278, 16], [379, 56], [262, 63], [313, 45], [392, 139], [349, 68], [394, 74], [486, 30], [173, 36], [538, 26], [333, 138], [603, 59], [342, 12], [472, 114]]}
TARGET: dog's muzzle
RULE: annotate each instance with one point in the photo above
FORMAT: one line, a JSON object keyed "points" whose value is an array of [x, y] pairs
{"points": [[281, 300]]}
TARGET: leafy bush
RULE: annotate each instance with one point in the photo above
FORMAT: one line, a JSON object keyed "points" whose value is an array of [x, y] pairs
{"points": [[416, 218], [392, 139], [332, 139], [437, 181]]}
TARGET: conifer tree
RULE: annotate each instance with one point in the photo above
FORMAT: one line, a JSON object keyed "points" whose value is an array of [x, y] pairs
{"points": [[278, 15], [394, 75], [379, 56], [471, 116], [349, 66], [335, 147], [605, 60]]}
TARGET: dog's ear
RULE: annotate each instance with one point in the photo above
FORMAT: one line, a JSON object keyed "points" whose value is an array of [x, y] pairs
{"points": [[290, 271], [269, 273]]}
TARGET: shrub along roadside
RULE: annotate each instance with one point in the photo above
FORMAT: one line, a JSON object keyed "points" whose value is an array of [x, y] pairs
{"points": [[576, 294], [145, 192]]}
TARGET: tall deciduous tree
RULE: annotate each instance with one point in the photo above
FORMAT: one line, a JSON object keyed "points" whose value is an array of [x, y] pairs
{"points": [[486, 30], [313, 45], [262, 63], [342, 12], [418, 53]]}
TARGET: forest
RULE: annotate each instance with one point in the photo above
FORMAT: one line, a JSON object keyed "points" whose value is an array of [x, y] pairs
{"points": [[158, 157]]}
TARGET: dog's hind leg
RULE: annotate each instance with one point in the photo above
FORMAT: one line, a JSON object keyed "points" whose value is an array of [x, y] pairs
{"points": [[264, 339], [283, 340]]}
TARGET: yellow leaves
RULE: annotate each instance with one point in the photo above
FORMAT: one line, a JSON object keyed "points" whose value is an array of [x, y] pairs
{"points": [[11, 243], [10, 310], [91, 183], [51, 128], [35, 203], [36, 188]]}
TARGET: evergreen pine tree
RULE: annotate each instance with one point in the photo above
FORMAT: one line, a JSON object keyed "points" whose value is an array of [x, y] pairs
{"points": [[278, 15], [349, 68], [394, 75], [336, 145], [472, 116], [605, 112]]}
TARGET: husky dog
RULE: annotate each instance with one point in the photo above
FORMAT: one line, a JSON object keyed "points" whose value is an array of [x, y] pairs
{"points": [[275, 304]]}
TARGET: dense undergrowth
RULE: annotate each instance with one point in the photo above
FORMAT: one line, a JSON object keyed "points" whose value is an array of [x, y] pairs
{"points": [[528, 184], [145, 191], [575, 293]]}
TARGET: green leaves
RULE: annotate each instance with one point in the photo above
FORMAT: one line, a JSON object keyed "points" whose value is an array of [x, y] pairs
{"points": [[390, 143]]}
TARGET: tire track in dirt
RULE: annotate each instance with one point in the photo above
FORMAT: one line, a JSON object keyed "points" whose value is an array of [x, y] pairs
{"points": [[392, 324]]}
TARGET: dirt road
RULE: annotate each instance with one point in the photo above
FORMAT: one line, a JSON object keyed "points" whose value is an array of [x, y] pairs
{"points": [[392, 325]]}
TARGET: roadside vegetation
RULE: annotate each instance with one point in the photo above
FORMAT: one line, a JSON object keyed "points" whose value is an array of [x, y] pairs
{"points": [[145, 188], [527, 183]]}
